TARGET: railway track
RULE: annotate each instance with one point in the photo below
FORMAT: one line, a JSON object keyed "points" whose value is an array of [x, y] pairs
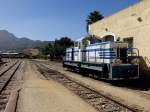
{"points": [[7, 84], [99, 101], [1, 63]]}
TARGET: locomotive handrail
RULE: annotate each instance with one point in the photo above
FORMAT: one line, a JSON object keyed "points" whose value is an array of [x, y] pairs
{"points": [[146, 58], [134, 49]]}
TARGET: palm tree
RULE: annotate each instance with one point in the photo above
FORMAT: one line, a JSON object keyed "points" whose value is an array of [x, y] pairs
{"points": [[93, 17]]}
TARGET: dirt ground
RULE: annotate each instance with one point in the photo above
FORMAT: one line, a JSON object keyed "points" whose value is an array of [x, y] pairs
{"points": [[40, 95], [126, 95]]}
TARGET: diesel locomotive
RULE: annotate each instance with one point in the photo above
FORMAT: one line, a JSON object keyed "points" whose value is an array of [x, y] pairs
{"points": [[107, 59]]}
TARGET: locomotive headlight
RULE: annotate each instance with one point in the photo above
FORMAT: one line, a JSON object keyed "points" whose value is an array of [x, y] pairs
{"points": [[135, 61], [116, 61]]}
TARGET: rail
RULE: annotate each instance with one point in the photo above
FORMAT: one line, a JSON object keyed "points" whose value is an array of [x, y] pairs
{"points": [[5, 80], [96, 99]]}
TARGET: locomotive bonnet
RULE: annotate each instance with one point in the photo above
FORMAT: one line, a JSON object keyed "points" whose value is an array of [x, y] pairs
{"points": [[107, 57]]}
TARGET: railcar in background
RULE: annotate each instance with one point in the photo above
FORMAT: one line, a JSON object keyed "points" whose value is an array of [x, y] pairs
{"points": [[110, 60]]}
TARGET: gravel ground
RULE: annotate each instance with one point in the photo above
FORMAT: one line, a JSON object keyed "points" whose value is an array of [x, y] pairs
{"points": [[40, 95], [127, 96]]}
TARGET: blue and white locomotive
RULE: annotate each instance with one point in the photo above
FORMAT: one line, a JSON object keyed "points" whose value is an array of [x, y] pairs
{"points": [[110, 60]]}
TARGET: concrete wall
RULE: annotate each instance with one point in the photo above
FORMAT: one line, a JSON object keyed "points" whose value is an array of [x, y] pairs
{"points": [[131, 22]]}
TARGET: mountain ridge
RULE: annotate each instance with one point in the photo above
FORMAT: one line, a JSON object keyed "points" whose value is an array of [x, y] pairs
{"points": [[9, 42]]}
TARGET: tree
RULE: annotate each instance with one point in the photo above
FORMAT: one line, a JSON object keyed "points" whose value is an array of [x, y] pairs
{"points": [[93, 17], [61, 45], [64, 41], [57, 48]]}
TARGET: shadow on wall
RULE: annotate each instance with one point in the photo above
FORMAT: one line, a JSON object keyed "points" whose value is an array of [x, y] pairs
{"points": [[144, 68]]}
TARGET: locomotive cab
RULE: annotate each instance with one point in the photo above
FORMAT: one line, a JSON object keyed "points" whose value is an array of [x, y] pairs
{"points": [[126, 63]]}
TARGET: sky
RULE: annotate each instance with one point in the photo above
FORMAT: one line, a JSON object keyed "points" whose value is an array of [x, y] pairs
{"points": [[51, 19]]}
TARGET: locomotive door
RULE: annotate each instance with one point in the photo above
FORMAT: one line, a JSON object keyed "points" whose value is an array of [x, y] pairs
{"points": [[105, 73], [83, 51], [72, 54]]}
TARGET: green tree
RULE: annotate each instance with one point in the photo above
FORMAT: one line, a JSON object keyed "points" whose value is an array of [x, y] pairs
{"points": [[57, 48], [93, 17], [61, 45]]}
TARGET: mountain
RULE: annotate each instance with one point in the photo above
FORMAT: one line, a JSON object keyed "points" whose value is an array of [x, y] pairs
{"points": [[9, 42]]}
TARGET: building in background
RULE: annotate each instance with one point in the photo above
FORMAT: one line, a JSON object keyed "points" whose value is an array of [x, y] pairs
{"points": [[131, 25], [31, 52], [11, 55]]}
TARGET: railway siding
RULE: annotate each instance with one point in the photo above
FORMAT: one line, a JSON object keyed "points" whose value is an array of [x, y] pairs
{"points": [[99, 101], [8, 84], [123, 94], [40, 95]]}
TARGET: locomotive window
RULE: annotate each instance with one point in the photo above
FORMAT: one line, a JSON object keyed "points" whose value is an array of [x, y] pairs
{"points": [[129, 41], [79, 45], [76, 44], [122, 54], [95, 40], [108, 38]]}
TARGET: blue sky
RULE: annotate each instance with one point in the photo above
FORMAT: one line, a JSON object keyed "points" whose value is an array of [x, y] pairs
{"points": [[50, 19]]}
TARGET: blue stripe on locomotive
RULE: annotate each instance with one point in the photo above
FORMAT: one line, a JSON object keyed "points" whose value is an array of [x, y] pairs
{"points": [[93, 50], [90, 50], [105, 54], [108, 57]]}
